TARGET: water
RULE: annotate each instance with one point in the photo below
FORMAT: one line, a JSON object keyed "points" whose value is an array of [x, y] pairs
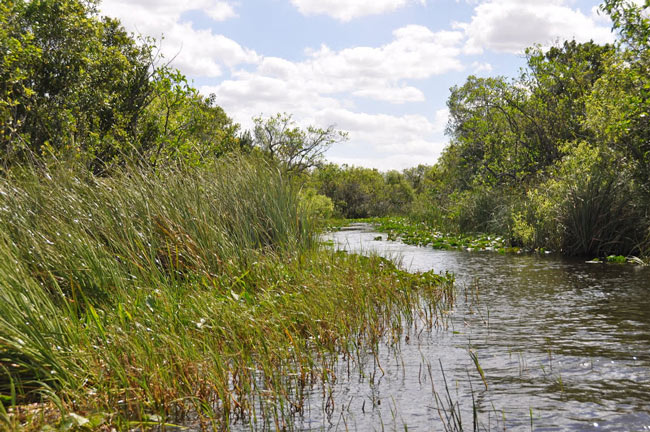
{"points": [[564, 345]]}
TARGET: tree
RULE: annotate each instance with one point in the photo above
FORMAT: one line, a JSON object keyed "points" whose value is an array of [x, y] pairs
{"points": [[398, 192], [296, 149], [492, 132], [628, 81], [505, 132], [415, 176], [71, 81], [186, 125], [359, 192], [560, 79]]}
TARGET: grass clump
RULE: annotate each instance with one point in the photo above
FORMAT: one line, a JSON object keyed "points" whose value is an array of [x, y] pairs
{"points": [[179, 296]]}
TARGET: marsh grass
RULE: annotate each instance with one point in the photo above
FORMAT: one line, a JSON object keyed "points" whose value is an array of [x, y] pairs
{"points": [[187, 296]]}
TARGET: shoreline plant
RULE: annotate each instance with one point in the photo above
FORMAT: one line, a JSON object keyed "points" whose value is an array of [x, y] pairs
{"points": [[179, 296]]}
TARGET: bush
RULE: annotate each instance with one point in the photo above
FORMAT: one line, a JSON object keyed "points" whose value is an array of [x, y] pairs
{"points": [[589, 205], [482, 209], [316, 205]]}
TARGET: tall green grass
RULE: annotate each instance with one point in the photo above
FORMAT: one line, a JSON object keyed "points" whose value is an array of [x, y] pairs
{"points": [[101, 234], [186, 296]]}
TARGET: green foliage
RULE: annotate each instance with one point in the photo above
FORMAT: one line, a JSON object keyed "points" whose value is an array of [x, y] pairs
{"points": [[423, 234], [318, 206], [90, 234], [185, 125], [588, 207], [560, 79], [77, 85], [504, 133], [625, 91], [137, 299], [416, 177], [363, 192], [295, 148], [619, 259], [557, 158], [72, 82], [489, 130]]}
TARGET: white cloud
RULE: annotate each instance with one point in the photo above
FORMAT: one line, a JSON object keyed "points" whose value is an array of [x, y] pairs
{"points": [[346, 10], [480, 67], [397, 95], [512, 25], [384, 162], [387, 133], [441, 120], [378, 73], [321, 89], [199, 53], [324, 87], [385, 140], [220, 11]]}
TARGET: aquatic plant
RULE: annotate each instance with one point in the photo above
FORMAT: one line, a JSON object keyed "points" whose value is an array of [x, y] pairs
{"points": [[187, 296], [422, 234]]}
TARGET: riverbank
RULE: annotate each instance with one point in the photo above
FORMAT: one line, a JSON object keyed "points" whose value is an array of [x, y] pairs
{"points": [[196, 297]]}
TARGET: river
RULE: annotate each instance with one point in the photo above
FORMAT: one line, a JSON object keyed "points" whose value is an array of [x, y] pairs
{"points": [[562, 344]]}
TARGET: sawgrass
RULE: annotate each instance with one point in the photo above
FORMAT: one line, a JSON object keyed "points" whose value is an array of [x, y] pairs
{"points": [[182, 296]]}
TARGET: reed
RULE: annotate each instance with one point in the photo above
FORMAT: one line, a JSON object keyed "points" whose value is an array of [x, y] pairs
{"points": [[187, 296]]}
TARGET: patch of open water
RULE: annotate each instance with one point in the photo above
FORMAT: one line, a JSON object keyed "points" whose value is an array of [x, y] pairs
{"points": [[563, 345]]}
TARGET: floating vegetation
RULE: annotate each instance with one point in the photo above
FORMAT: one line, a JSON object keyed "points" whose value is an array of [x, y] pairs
{"points": [[616, 259], [421, 234]]}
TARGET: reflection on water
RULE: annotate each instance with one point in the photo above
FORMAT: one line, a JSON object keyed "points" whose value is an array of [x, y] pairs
{"points": [[563, 344]]}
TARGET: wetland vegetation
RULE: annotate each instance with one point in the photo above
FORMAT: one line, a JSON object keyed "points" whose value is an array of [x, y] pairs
{"points": [[156, 297], [161, 266], [555, 158]]}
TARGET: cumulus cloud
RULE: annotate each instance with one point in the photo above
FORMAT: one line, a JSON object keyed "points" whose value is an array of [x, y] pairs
{"points": [[322, 89], [481, 67], [220, 11], [329, 80], [346, 10], [512, 25], [415, 53], [378, 73], [379, 137], [199, 53], [385, 141], [325, 87]]}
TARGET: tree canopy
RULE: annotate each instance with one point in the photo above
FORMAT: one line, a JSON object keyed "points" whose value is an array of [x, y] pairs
{"points": [[297, 149], [559, 156], [73, 83]]}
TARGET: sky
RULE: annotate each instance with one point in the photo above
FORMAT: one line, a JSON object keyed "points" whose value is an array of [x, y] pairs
{"points": [[380, 70]]}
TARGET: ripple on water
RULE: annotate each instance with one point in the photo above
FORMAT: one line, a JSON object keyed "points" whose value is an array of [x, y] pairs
{"points": [[560, 341]]}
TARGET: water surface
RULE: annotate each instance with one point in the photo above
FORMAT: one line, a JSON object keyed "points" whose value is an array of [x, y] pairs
{"points": [[564, 345]]}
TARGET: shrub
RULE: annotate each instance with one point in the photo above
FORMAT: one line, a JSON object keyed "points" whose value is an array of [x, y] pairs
{"points": [[316, 205], [589, 205]]}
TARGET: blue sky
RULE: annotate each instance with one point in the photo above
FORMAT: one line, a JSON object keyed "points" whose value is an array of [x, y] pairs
{"points": [[379, 69]]}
